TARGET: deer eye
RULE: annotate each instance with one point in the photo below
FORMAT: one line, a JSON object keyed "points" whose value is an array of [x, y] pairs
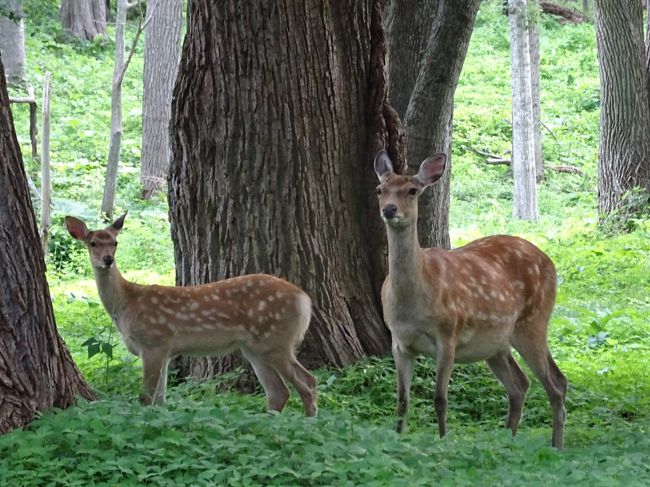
{"points": [[378, 190], [116, 244], [93, 244], [413, 191]]}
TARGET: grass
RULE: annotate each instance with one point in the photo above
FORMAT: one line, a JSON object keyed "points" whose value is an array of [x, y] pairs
{"points": [[209, 434]]}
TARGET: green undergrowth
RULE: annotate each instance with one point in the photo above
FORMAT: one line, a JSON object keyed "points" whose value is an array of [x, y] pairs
{"points": [[185, 443]]}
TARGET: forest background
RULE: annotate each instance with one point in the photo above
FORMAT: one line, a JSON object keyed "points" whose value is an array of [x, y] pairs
{"points": [[600, 333]]}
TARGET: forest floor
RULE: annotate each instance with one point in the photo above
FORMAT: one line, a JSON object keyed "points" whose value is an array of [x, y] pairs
{"points": [[207, 435]]}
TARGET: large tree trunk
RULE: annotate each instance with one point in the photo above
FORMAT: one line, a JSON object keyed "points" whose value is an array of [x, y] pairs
{"points": [[12, 40], [431, 86], [84, 19], [36, 370], [161, 53], [276, 116], [523, 139], [647, 51], [624, 154]]}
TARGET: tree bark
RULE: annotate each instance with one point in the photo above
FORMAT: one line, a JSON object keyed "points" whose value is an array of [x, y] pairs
{"points": [[408, 28], [428, 113], [647, 51], [523, 141], [36, 370], [624, 153], [161, 54], [277, 113], [84, 19], [12, 40]]}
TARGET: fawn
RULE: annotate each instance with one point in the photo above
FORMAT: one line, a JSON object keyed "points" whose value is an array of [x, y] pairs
{"points": [[263, 316], [472, 303]]}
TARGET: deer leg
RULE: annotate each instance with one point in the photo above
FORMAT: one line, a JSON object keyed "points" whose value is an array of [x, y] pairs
{"points": [[507, 370], [444, 367], [154, 376], [277, 393], [307, 378], [305, 383], [404, 362], [555, 383]]}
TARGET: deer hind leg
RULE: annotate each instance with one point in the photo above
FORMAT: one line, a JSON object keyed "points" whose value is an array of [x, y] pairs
{"points": [[535, 352], [404, 363], [154, 376], [292, 371], [277, 393], [507, 370]]}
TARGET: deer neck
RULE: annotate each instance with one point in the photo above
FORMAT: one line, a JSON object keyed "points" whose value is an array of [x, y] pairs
{"points": [[405, 261], [112, 289]]}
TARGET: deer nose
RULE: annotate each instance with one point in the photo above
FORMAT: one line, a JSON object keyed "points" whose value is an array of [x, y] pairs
{"points": [[389, 211], [108, 260]]}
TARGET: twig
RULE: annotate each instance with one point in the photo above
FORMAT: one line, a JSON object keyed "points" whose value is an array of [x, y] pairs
{"points": [[549, 131]]}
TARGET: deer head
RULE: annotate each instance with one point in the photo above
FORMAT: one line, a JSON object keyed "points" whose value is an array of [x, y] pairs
{"points": [[398, 194], [101, 244]]}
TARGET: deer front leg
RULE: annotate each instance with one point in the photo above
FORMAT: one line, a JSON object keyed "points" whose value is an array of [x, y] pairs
{"points": [[154, 376], [444, 366], [404, 362]]}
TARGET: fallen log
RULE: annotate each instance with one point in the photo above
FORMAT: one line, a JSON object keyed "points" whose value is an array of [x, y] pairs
{"points": [[568, 14]]}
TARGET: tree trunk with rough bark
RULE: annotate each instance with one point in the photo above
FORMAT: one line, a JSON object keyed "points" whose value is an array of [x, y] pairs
{"points": [[84, 19], [161, 54], [277, 114], [425, 91], [36, 370], [647, 50], [523, 140], [624, 153], [12, 40]]}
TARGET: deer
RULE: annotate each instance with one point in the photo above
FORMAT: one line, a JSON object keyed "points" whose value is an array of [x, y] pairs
{"points": [[264, 316], [472, 303]]}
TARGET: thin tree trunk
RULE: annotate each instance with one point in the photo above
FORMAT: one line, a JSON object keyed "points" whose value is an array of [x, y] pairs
{"points": [[429, 113], [276, 116], [46, 183], [523, 141], [161, 54], [110, 183], [535, 90], [36, 370], [12, 41], [84, 19], [624, 153]]}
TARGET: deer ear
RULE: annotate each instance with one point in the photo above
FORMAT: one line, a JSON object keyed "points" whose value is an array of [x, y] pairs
{"points": [[119, 223], [383, 165], [76, 227], [431, 169]]}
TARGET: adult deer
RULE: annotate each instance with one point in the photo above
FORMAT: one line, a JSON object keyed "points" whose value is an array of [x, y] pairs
{"points": [[262, 315], [465, 305]]}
